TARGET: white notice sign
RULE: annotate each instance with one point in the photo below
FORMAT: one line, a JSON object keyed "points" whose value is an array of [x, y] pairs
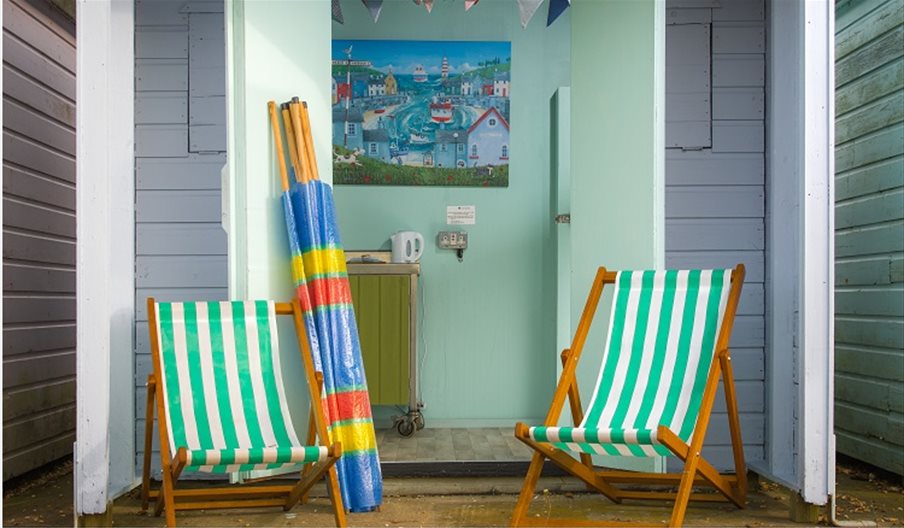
{"points": [[461, 214]]}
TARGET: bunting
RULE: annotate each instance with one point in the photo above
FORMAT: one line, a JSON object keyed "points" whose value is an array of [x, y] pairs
{"points": [[556, 8], [374, 6], [337, 12], [429, 5], [470, 3], [527, 8]]}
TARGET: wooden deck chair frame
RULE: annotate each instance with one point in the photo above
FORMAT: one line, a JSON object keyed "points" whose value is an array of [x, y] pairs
{"points": [[169, 499], [697, 471]]}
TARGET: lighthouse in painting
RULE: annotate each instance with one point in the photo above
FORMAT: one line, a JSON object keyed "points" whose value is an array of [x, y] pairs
{"points": [[445, 68]]}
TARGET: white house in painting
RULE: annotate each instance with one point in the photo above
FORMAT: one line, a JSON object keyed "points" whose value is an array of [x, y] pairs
{"points": [[501, 84], [467, 85], [488, 140]]}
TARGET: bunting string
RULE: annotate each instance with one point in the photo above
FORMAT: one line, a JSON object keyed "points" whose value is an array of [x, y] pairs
{"points": [[526, 9]]}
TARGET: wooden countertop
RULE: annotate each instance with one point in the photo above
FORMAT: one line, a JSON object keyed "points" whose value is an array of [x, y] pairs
{"points": [[360, 268]]}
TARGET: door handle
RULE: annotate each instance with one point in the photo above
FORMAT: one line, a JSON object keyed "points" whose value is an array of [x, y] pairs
{"points": [[563, 218]]}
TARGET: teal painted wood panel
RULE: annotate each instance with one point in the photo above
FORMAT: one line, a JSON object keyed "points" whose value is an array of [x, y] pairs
{"points": [[869, 237], [382, 314]]}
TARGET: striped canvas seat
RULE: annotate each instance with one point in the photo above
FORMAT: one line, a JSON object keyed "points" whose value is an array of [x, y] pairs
{"points": [[223, 391], [660, 346]]}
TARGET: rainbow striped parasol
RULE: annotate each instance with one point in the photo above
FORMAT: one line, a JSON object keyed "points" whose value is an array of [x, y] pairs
{"points": [[321, 284]]}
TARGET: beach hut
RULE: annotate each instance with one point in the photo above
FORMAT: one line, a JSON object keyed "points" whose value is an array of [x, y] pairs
{"points": [[728, 162]]}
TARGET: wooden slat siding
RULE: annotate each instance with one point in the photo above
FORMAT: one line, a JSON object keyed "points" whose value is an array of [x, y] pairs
{"points": [[688, 85], [869, 232], [160, 108], [39, 236], [207, 92], [715, 204], [180, 247]]}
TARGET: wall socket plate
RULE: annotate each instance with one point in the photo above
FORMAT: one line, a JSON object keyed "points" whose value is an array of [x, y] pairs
{"points": [[452, 240]]}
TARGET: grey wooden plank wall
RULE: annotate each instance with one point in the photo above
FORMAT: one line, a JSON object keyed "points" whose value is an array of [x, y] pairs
{"points": [[39, 236], [180, 143], [715, 179], [869, 231]]}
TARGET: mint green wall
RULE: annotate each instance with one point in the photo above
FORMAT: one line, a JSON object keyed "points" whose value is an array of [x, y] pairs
{"points": [[488, 333], [615, 174], [275, 49], [617, 151]]}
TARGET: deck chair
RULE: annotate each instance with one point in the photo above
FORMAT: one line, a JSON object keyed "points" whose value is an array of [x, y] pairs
{"points": [[221, 407], [666, 348]]}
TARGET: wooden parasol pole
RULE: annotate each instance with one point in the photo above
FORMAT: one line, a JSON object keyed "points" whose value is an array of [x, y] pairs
{"points": [[277, 139], [295, 112], [290, 137], [309, 142]]}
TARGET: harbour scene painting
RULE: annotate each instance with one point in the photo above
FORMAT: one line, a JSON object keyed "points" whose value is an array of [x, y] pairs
{"points": [[421, 112]]}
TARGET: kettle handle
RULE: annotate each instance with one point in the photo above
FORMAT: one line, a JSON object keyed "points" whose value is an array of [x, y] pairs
{"points": [[417, 249]]}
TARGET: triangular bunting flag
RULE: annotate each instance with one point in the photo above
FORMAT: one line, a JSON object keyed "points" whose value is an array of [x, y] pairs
{"points": [[470, 3], [337, 12], [374, 6], [417, 2], [527, 8], [429, 5], [556, 8]]}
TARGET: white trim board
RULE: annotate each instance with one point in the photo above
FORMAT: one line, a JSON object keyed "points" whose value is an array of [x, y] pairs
{"points": [[105, 255], [800, 447], [816, 457]]}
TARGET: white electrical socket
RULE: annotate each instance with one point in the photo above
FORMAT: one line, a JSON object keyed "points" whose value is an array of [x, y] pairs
{"points": [[452, 240]]}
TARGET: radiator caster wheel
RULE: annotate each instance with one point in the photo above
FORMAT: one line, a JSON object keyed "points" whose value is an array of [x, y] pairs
{"points": [[406, 427], [419, 421]]}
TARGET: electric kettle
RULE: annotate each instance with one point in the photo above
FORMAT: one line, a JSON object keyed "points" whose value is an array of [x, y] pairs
{"points": [[407, 246]]}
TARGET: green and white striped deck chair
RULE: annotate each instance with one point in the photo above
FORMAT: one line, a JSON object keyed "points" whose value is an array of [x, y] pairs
{"points": [[217, 382], [666, 348]]}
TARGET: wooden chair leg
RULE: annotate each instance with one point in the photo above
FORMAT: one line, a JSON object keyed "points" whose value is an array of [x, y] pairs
{"points": [[332, 486], [312, 433], [577, 412], [734, 426], [684, 490], [316, 473], [148, 432], [166, 500], [527, 490], [168, 495]]}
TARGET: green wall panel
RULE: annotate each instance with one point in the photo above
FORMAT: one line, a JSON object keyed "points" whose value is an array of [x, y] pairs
{"points": [[382, 314], [869, 231]]}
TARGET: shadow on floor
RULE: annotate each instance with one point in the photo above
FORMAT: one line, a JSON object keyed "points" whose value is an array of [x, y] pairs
{"points": [[44, 498]]}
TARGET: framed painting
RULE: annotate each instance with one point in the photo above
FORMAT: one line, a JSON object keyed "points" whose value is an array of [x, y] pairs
{"points": [[421, 112]]}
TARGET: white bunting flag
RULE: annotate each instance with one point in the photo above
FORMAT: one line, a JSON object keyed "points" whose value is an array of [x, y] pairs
{"points": [[374, 6], [429, 5], [527, 8]]}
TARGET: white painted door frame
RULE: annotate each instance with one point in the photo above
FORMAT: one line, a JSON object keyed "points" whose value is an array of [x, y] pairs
{"points": [[105, 254], [801, 253], [816, 457]]}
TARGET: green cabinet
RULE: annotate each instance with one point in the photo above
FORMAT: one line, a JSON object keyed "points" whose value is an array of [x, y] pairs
{"points": [[383, 310]]}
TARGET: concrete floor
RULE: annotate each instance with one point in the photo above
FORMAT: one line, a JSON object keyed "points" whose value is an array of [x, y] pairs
{"points": [[457, 445], [45, 499]]}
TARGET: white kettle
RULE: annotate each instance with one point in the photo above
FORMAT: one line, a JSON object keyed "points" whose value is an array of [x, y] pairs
{"points": [[407, 246]]}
